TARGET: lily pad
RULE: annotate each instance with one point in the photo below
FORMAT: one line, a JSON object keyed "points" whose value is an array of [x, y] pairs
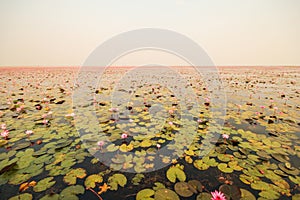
{"points": [[44, 184], [145, 194], [246, 195], [72, 176], [117, 180], [174, 173], [196, 185], [231, 190], [204, 196], [183, 189], [25, 196], [71, 192], [90, 181], [166, 194]]}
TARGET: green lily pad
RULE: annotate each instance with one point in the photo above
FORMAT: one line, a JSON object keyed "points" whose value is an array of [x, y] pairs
{"points": [[199, 164], [296, 197], [269, 194], [71, 192], [224, 168], [22, 145], [6, 165], [292, 170], [166, 194], [204, 196], [44, 184], [50, 197], [174, 173], [183, 189], [246, 195], [137, 179], [3, 142], [145, 194], [25, 196], [158, 186], [90, 181], [72, 176], [279, 157], [117, 180]]}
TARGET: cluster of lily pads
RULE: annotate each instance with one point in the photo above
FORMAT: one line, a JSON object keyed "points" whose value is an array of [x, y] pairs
{"points": [[256, 153]]}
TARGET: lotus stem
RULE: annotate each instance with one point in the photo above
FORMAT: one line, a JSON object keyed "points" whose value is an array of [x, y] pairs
{"points": [[93, 191]]}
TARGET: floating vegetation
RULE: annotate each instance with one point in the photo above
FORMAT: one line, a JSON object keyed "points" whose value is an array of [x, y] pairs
{"points": [[146, 148]]}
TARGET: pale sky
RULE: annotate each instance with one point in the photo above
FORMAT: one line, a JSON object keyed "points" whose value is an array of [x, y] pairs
{"points": [[233, 32]]}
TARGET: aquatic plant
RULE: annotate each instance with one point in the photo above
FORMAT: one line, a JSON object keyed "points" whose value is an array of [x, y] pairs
{"points": [[217, 195]]}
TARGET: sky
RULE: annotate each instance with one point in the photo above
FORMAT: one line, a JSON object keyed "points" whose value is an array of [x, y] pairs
{"points": [[232, 32]]}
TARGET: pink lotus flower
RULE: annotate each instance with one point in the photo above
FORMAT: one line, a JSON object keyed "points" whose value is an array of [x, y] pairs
{"points": [[170, 123], [275, 108], [70, 115], [3, 126], [29, 132], [113, 109], [216, 195], [124, 136], [5, 134], [262, 107], [207, 100], [130, 120], [100, 143], [199, 120], [158, 146], [45, 121], [44, 116], [225, 136], [171, 112]]}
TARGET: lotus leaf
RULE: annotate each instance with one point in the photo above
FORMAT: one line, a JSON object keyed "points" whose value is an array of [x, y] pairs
{"points": [[126, 148], [183, 189], [199, 164], [246, 195], [224, 168], [196, 185], [174, 173], [90, 181], [158, 186], [3, 142], [270, 194], [204, 196], [260, 185], [296, 179], [231, 191], [72, 176], [137, 179], [145, 194], [112, 148], [44, 184], [292, 170], [165, 194], [296, 197], [146, 143], [280, 157], [50, 197], [22, 146], [19, 178], [25, 196], [117, 180], [7, 164], [71, 192]]}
